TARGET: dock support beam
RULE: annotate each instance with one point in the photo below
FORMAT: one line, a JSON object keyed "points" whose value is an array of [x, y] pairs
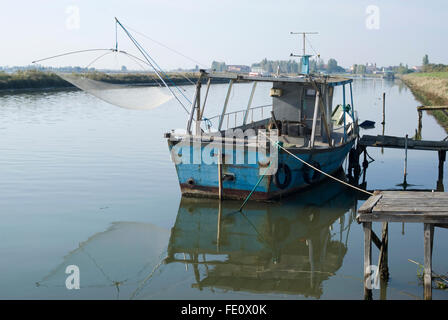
{"points": [[220, 174], [419, 130], [367, 226], [442, 158], [427, 278], [218, 231], [383, 257]]}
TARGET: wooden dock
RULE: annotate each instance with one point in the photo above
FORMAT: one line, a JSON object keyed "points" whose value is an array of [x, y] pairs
{"points": [[402, 143], [429, 208], [405, 143]]}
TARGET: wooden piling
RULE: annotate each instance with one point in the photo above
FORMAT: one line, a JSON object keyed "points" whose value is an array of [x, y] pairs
{"points": [[383, 256], [405, 161], [384, 109], [220, 174], [419, 130], [367, 226], [218, 232], [442, 158], [428, 244]]}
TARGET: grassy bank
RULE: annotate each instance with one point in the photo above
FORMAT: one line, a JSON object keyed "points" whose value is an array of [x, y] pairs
{"points": [[430, 89], [33, 79]]}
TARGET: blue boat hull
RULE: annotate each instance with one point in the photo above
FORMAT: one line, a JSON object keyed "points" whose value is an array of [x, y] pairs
{"points": [[201, 180]]}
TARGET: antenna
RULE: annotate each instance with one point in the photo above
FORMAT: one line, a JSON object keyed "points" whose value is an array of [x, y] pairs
{"points": [[305, 57], [304, 35]]}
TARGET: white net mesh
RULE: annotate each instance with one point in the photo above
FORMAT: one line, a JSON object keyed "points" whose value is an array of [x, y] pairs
{"points": [[125, 96]]}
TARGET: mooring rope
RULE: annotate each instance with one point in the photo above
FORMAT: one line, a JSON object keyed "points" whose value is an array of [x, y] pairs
{"points": [[256, 185], [316, 169]]}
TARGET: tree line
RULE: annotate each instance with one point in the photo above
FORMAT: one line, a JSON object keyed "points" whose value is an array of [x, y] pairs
{"points": [[287, 66]]}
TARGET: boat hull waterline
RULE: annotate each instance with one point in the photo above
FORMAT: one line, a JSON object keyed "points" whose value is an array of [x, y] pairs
{"points": [[202, 180]]}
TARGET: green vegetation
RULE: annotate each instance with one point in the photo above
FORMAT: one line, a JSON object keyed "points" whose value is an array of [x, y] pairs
{"points": [[284, 66], [293, 67], [432, 74], [431, 67], [332, 66], [31, 79], [430, 89], [34, 79]]}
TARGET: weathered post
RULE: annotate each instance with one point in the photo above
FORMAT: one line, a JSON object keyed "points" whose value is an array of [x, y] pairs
{"points": [[220, 174], [367, 226], [405, 162], [419, 130], [428, 243], [384, 118], [218, 232], [442, 158], [383, 257]]}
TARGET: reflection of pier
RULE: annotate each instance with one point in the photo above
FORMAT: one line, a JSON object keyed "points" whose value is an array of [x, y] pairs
{"points": [[288, 248]]}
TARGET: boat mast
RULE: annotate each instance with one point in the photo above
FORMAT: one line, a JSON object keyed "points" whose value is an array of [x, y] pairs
{"points": [[305, 57]]}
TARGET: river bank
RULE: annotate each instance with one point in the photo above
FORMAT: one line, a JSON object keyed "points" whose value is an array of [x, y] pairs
{"points": [[38, 80], [430, 89]]}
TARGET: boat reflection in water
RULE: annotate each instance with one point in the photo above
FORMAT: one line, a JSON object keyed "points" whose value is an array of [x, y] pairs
{"points": [[288, 248], [268, 248]]}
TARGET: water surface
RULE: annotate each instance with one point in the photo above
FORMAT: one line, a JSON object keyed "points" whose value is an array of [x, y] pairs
{"points": [[93, 185]]}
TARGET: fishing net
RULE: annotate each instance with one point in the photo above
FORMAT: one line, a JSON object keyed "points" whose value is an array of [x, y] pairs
{"points": [[125, 96]]}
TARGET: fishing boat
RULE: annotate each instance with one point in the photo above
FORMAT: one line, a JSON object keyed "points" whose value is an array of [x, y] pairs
{"points": [[296, 140], [312, 137]]}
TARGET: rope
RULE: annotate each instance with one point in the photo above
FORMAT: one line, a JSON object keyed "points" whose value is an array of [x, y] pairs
{"points": [[71, 52], [256, 185], [98, 58], [149, 59], [316, 169], [166, 47]]}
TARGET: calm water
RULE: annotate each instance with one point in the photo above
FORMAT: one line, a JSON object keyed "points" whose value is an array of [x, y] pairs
{"points": [[84, 183]]}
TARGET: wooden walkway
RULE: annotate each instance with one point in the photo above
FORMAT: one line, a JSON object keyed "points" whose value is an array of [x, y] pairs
{"points": [[429, 208], [402, 143]]}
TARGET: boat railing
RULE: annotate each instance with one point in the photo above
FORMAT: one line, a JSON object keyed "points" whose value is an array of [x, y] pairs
{"points": [[239, 117]]}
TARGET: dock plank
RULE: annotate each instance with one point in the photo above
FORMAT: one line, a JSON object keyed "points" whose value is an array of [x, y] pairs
{"points": [[369, 204], [405, 206]]}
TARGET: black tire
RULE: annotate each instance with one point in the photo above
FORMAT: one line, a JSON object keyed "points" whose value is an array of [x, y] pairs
{"points": [[287, 181], [307, 177]]}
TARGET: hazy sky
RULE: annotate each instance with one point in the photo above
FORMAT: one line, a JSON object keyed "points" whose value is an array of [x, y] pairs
{"points": [[237, 32]]}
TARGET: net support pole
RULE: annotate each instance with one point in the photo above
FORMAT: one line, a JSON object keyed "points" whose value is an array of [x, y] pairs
{"points": [[226, 102], [249, 104], [316, 107]]}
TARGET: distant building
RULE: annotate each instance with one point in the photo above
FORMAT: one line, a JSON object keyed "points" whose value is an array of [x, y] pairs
{"points": [[257, 70], [371, 67], [238, 68]]}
